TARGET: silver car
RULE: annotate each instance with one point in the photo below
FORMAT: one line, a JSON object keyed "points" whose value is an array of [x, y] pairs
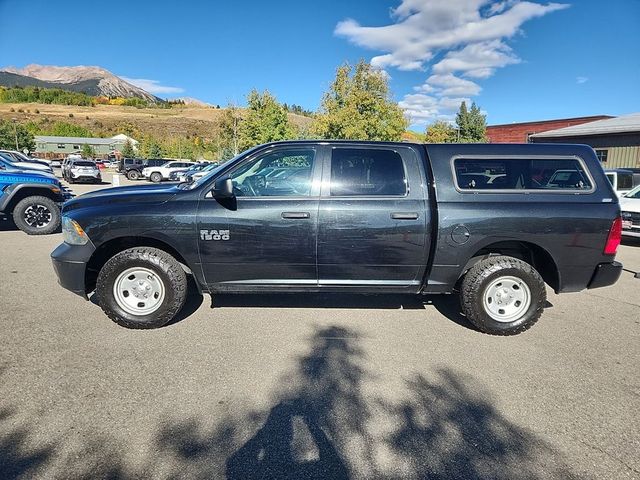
{"points": [[83, 171]]}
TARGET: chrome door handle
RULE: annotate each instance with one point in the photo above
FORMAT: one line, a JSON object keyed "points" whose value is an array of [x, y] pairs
{"points": [[405, 216], [298, 215]]}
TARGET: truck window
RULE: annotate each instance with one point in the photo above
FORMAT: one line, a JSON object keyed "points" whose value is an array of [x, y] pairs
{"points": [[252, 179], [361, 171], [521, 174], [625, 181]]}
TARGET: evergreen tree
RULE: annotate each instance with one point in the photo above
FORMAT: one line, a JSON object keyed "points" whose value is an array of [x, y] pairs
{"points": [[472, 124], [127, 150]]}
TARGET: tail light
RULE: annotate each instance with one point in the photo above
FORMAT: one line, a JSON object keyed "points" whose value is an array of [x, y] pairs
{"points": [[614, 237]]}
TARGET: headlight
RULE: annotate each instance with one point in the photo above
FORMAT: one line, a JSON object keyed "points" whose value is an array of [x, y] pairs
{"points": [[72, 232]]}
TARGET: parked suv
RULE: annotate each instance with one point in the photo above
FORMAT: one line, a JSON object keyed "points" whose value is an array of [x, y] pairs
{"points": [[32, 198], [81, 170], [159, 173], [351, 216], [132, 167]]}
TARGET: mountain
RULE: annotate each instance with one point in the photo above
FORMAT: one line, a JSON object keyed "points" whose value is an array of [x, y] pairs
{"points": [[90, 80], [191, 101]]}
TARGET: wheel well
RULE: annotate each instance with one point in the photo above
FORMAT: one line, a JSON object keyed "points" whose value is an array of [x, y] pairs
{"points": [[108, 249], [29, 192], [534, 255]]}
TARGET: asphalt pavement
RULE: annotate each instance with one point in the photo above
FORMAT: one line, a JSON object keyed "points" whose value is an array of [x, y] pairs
{"points": [[326, 386]]}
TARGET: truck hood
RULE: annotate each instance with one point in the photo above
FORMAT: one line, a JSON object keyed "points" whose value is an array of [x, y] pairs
{"points": [[139, 194]]}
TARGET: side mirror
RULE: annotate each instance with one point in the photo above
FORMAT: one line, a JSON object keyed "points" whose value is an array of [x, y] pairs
{"points": [[223, 188]]}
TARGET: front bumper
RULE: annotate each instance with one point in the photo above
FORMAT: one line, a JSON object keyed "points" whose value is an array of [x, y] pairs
{"points": [[635, 232], [70, 265], [605, 274]]}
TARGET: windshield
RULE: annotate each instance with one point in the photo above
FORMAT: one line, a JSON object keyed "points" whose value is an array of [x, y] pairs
{"points": [[6, 158]]}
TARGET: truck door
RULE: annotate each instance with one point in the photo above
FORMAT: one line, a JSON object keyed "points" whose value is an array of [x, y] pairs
{"points": [[266, 235], [374, 219]]}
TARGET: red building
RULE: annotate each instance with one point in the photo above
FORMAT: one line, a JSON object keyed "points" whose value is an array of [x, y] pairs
{"points": [[519, 132]]}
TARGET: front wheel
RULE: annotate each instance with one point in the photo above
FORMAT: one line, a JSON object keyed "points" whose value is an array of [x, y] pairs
{"points": [[37, 215], [503, 295], [141, 287], [156, 177]]}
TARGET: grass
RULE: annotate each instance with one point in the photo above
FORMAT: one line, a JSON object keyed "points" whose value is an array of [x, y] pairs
{"points": [[107, 120]]}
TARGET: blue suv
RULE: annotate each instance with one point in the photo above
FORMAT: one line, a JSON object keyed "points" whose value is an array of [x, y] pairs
{"points": [[33, 198]]}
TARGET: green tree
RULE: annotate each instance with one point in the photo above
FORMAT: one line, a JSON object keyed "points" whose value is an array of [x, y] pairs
{"points": [[88, 151], [127, 150], [11, 131], [149, 147], [265, 121], [472, 124], [229, 127], [440, 132], [64, 129], [359, 106]]}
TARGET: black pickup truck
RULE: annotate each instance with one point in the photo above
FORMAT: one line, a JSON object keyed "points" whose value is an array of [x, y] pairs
{"points": [[492, 223]]}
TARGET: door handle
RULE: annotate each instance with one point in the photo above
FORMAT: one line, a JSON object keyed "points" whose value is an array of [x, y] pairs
{"points": [[405, 216], [298, 215]]}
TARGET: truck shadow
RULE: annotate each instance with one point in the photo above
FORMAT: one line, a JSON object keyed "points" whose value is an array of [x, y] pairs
{"points": [[446, 305]]}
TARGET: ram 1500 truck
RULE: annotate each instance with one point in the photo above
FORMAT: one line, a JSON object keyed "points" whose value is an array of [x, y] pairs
{"points": [[491, 223]]}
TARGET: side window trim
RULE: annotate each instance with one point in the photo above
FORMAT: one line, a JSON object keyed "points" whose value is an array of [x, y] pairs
{"points": [[540, 191], [326, 180]]}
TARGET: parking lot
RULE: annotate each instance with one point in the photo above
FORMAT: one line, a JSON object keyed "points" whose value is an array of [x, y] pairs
{"points": [[317, 387]]}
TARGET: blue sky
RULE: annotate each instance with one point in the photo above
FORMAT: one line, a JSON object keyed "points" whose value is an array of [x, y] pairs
{"points": [[518, 60]]}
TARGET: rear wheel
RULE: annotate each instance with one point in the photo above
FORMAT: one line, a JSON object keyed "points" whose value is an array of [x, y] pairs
{"points": [[156, 177], [141, 287], [133, 175], [37, 215], [503, 295]]}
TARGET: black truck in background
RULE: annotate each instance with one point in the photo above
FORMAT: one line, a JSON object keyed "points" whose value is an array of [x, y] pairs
{"points": [[132, 167], [491, 223]]}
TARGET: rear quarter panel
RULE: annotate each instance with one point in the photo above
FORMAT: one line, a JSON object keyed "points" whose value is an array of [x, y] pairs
{"points": [[572, 228]]}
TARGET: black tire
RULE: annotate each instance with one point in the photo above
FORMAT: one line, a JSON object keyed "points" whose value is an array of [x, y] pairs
{"points": [[163, 265], [133, 175], [482, 275], [42, 207], [156, 177]]}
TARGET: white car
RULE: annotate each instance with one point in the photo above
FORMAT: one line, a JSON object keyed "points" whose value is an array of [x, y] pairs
{"points": [[19, 160], [630, 206], [158, 174]]}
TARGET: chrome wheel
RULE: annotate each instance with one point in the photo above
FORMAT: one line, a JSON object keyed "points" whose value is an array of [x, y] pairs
{"points": [[507, 298], [139, 291], [37, 216]]}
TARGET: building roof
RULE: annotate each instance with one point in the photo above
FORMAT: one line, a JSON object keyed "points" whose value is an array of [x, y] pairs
{"points": [[623, 124], [124, 138], [535, 122], [93, 141]]}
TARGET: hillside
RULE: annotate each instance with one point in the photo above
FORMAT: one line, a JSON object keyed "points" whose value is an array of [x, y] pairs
{"points": [[108, 120]]}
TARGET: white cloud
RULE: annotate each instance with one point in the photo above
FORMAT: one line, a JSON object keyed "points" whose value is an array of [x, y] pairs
{"points": [[152, 86], [470, 34], [581, 80]]}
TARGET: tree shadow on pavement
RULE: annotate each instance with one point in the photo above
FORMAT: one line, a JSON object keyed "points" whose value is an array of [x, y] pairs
{"points": [[326, 419]]}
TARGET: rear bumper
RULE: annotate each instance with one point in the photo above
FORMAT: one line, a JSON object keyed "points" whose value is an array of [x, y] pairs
{"points": [[605, 274], [70, 265]]}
